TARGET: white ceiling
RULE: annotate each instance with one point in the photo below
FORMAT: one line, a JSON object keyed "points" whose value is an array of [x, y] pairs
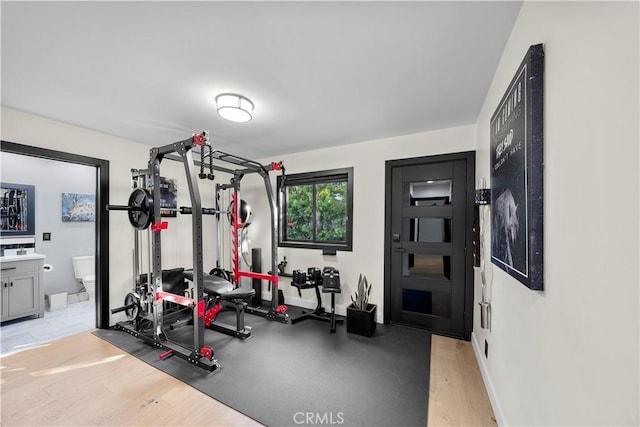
{"points": [[320, 73]]}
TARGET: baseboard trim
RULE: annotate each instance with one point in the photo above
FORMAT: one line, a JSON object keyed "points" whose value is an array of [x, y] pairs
{"points": [[488, 384]]}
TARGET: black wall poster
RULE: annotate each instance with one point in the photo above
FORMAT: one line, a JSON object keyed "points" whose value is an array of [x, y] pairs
{"points": [[168, 197], [516, 174]]}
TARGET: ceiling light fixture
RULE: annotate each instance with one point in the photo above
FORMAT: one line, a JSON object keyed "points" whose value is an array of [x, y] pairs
{"points": [[236, 108]]}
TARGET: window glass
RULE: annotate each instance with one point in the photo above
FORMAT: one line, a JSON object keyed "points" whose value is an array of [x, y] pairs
{"points": [[427, 266], [426, 302], [429, 230], [317, 209], [430, 193], [300, 212], [331, 211]]}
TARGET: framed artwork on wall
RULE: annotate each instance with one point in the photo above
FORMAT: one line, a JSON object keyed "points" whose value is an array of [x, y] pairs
{"points": [[517, 174], [78, 207]]}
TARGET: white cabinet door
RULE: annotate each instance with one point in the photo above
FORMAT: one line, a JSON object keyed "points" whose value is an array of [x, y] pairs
{"points": [[23, 294], [5, 299]]}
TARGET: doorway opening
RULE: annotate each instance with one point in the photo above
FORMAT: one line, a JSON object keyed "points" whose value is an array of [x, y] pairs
{"points": [[101, 249]]}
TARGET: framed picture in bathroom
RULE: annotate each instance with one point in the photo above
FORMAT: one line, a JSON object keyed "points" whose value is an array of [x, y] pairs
{"points": [[17, 209], [78, 207], [517, 174]]}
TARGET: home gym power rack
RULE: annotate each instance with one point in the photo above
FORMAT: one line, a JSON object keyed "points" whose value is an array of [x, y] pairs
{"points": [[145, 304], [275, 310]]}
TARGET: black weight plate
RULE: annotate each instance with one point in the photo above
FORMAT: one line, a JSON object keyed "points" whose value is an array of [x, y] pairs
{"points": [[132, 313], [141, 218]]}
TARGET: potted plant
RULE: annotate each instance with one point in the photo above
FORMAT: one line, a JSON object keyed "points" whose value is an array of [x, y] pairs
{"points": [[21, 250], [361, 315]]}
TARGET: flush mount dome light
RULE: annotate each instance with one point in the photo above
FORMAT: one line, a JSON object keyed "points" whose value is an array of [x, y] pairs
{"points": [[234, 107]]}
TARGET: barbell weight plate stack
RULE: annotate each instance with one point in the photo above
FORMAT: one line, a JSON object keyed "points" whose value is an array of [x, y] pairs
{"points": [[140, 209], [141, 216]]}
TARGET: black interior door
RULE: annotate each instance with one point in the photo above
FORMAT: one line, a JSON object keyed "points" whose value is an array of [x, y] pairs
{"points": [[430, 280]]}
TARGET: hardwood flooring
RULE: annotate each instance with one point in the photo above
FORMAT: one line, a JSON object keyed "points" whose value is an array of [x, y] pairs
{"points": [[82, 380], [457, 395]]}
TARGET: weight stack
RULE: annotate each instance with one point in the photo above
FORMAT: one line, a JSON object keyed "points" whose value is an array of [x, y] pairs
{"points": [[256, 264]]}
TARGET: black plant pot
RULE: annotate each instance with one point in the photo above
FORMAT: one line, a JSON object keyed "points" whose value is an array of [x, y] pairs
{"points": [[361, 322]]}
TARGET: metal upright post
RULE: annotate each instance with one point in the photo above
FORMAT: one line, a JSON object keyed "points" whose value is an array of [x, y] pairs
{"points": [[156, 243], [196, 222], [274, 240], [136, 237], [219, 228]]}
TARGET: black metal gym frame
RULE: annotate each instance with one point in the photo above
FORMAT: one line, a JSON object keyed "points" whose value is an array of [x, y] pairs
{"points": [[199, 354], [250, 166]]}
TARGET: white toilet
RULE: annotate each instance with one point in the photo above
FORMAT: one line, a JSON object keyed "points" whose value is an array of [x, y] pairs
{"points": [[84, 269]]}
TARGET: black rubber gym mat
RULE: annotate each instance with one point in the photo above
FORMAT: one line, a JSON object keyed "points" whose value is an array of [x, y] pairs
{"points": [[289, 375]]}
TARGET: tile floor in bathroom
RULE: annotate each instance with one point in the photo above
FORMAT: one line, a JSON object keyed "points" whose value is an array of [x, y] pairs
{"points": [[21, 334]]}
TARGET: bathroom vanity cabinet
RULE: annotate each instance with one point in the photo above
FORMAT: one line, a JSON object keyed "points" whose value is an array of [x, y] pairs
{"points": [[22, 286]]}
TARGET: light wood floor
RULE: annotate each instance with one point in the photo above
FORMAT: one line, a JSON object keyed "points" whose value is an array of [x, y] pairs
{"points": [[457, 396], [83, 380]]}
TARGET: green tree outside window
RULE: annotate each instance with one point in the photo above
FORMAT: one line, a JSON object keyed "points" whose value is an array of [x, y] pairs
{"points": [[317, 210]]}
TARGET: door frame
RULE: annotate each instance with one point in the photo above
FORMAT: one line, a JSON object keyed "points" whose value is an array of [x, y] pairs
{"points": [[102, 218], [470, 157]]}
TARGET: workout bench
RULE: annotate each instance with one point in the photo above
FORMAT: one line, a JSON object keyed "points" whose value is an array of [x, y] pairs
{"points": [[220, 291]]}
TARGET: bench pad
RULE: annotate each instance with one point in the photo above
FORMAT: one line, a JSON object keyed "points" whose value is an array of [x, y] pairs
{"points": [[238, 293], [216, 286]]}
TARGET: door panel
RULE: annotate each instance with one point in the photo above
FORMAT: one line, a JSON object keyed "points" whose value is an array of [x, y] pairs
{"points": [[23, 294], [427, 251]]}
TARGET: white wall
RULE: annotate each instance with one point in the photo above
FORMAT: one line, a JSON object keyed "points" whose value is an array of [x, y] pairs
{"points": [[569, 355], [68, 239], [368, 160], [122, 155]]}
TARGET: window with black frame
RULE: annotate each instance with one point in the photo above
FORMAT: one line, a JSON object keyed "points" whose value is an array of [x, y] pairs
{"points": [[317, 210]]}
